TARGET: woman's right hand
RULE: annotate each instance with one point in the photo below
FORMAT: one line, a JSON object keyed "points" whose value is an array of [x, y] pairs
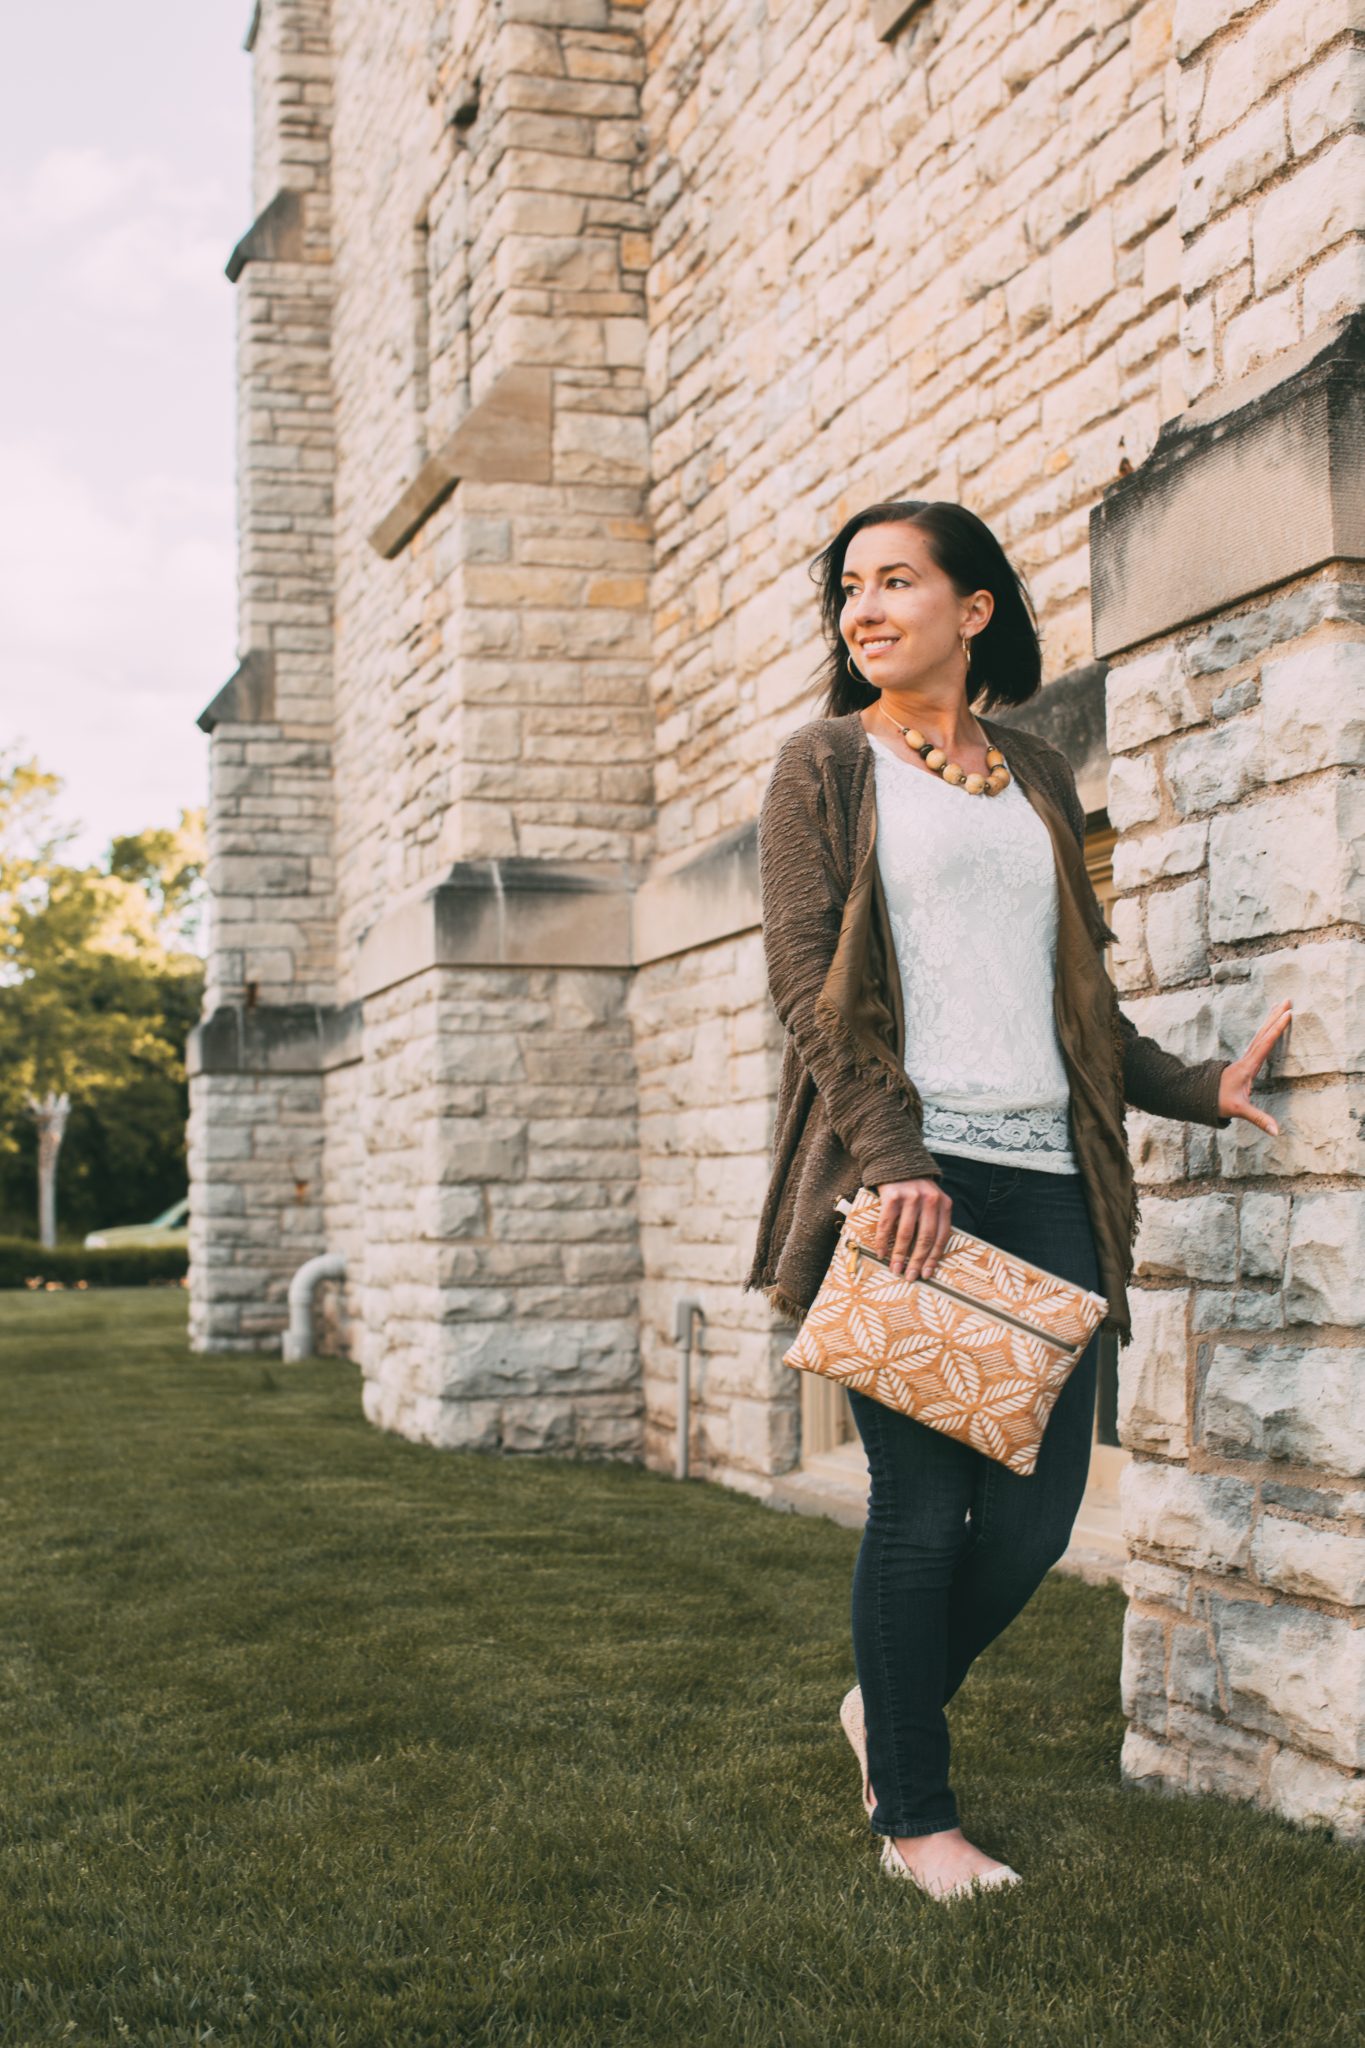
{"points": [[912, 1228]]}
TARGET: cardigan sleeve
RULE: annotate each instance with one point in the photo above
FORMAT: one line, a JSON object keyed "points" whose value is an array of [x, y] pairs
{"points": [[1154, 1079], [871, 1105]]}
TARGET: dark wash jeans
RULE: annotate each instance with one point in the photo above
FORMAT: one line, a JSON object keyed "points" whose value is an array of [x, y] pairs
{"points": [[955, 1543]]}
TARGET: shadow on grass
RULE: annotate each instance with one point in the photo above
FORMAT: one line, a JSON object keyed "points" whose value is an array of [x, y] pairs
{"points": [[313, 1735]]}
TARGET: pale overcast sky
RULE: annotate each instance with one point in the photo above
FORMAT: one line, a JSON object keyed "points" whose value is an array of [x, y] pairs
{"points": [[124, 182]]}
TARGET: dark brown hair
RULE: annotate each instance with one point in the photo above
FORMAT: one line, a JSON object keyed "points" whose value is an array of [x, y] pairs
{"points": [[1007, 660]]}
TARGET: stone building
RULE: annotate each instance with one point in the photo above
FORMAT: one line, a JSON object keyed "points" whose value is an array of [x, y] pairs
{"points": [[568, 331]]}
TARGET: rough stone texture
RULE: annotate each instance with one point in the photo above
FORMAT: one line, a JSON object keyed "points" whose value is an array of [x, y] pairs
{"points": [[1317, 1794], [674, 211], [1294, 1673], [1176, 926], [1325, 1270], [1318, 1564], [1152, 1383], [1326, 1037], [1195, 1519], [1254, 890], [255, 1163], [1195, 1236], [1264, 1236], [1279, 1401], [1237, 881], [500, 1297], [707, 1046]]}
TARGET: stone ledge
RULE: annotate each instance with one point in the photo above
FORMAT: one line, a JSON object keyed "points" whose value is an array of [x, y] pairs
{"points": [[275, 1038], [275, 236], [503, 913], [711, 897], [505, 438], [544, 913], [247, 697], [890, 16], [1260, 488]]}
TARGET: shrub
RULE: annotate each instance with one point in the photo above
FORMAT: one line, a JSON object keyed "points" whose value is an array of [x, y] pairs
{"points": [[25, 1264]]}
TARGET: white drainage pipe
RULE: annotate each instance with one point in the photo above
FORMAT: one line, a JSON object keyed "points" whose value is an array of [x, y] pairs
{"points": [[298, 1338]]}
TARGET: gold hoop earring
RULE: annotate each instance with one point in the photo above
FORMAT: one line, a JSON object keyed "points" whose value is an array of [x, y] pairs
{"points": [[967, 650], [855, 670]]}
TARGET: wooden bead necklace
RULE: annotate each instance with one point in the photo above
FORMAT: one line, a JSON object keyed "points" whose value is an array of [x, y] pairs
{"points": [[990, 784]]}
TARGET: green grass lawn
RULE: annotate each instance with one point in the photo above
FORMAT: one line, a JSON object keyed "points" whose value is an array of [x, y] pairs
{"points": [[312, 1735]]}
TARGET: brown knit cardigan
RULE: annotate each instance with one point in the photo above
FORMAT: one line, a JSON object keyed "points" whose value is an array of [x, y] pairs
{"points": [[848, 1114]]}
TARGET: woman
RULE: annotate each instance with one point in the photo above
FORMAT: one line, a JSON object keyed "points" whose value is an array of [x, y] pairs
{"points": [[935, 951]]}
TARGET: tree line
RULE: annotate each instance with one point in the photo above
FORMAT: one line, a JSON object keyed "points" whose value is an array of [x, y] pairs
{"points": [[101, 980]]}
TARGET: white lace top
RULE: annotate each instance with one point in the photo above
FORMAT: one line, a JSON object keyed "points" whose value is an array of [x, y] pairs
{"points": [[972, 891]]}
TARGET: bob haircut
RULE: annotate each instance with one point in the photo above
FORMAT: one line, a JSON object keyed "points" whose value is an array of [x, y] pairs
{"points": [[1007, 660]]}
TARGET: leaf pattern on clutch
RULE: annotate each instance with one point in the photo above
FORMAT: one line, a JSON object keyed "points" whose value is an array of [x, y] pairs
{"points": [[953, 1367]]}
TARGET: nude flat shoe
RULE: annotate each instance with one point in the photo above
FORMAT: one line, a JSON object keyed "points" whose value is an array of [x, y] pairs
{"points": [[895, 1865], [851, 1719]]}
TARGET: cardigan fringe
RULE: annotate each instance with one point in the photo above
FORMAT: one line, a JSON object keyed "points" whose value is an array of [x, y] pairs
{"points": [[785, 1306], [870, 1060]]}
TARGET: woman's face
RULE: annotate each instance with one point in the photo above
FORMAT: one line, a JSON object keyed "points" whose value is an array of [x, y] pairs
{"points": [[902, 619]]}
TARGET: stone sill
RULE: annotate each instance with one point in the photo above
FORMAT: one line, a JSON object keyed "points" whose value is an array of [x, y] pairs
{"points": [[1252, 488], [890, 16], [275, 236], [275, 1038], [505, 438]]}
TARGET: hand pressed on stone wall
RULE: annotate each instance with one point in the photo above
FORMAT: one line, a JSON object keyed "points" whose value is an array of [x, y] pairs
{"points": [[1239, 1076]]}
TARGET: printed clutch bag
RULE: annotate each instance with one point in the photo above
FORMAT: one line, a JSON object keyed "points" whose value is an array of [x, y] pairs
{"points": [[980, 1351]]}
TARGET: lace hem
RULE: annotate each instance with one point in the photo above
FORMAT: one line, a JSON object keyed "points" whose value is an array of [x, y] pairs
{"points": [[1031, 1137]]}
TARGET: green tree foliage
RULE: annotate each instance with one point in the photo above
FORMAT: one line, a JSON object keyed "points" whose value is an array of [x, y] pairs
{"points": [[99, 987]]}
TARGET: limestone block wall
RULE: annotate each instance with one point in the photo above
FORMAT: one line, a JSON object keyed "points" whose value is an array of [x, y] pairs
{"points": [[1243, 822], [270, 827], [256, 1132], [1272, 171], [942, 263], [255, 1160], [492, 706], [569, 329], [493, 696], [1229, 600], [270, 847], [499, 1299], [446, 281], [707, 1048]]}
